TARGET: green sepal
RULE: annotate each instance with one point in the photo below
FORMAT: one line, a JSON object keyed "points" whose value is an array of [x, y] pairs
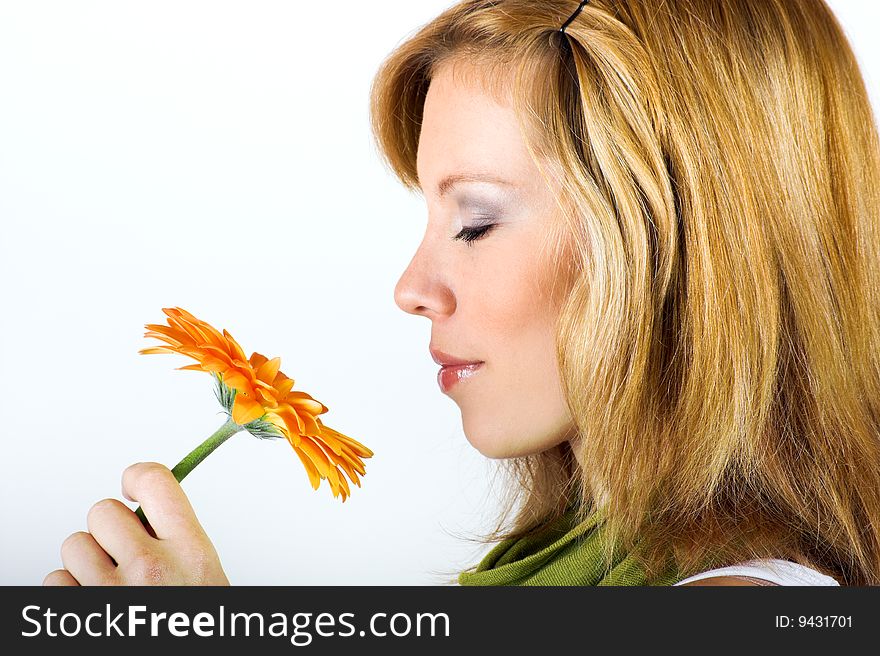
{"points": [[265, 430]]}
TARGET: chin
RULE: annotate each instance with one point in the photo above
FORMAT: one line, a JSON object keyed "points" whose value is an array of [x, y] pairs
{"points": [[490, 443], [499, 447], [491, 449], [501, 444]]}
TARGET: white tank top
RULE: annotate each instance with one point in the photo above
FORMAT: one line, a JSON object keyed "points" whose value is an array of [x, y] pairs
{"points": [[780, 572]]}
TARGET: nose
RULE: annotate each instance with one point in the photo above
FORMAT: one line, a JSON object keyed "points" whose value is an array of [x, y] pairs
{"points": [[422, 288]]}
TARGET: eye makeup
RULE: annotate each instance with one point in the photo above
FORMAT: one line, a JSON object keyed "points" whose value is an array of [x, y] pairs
{"points": [[473, 233], [481, 211], [480, 207]]}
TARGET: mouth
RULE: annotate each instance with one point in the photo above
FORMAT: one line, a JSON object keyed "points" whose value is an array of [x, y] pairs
{"points": [[446, 360], [453, 369], [451, 375]]}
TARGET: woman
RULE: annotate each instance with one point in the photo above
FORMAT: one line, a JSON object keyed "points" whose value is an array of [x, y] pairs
{"points": [[652, 266]]}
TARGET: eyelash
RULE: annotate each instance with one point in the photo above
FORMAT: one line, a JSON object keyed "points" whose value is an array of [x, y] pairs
{"points": [[469, 235]]}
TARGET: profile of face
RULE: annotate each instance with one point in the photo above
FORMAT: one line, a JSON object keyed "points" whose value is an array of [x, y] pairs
{"points": [[479, 275]]}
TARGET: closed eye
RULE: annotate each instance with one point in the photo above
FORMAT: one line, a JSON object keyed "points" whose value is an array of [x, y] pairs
{"points": [[469, 235]]}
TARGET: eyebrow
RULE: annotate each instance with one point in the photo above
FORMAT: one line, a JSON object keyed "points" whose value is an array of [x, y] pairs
{"points": [[447, 183]]}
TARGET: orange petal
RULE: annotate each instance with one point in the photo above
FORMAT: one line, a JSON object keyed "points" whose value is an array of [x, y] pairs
{"points": [[311, 427], [191, 367], [356, 446], [194, 328], [332, 443], [356, 463], [343, 486], [245, 410], [305, 403], [333, 477], [294, 421], [170, 331], [318, 458], [236, 380], [237, 351], [257, 359], [335, 485], [346, 467], [283, 384], [217, 352], [213, 364], [314, 476], [267, 398], [351, 474], [179, 312], [214, 335], [162, 338], [165, 331], [266, 371], [157, 349], [351, 459]]}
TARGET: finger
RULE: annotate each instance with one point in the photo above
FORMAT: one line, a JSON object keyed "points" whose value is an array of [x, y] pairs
{"points": [[162, 500], [60, 577], [118, 530], [86, 561]]}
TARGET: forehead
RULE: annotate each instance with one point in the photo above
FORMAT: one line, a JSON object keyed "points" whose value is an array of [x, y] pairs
{"points": [[469, 126]]}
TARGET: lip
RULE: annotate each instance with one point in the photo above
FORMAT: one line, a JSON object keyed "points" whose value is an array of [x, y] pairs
{"points": [[453, 370], [446, 360], [449, 376]]}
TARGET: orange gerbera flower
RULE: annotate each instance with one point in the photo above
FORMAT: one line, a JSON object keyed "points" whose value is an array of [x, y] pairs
{"points": [[263, 400]]}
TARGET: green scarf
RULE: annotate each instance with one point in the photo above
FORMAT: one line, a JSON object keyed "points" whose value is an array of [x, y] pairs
{"points": [[561, 554]]}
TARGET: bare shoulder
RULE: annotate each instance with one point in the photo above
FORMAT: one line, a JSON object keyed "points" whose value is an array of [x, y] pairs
{"points": [[729, 580]]}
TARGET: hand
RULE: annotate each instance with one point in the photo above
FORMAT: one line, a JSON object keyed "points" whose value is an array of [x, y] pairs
{"points": [[120, 550]]}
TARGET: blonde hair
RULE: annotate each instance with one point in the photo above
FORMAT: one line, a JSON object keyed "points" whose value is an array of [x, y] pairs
{"points": [[719, 343]]}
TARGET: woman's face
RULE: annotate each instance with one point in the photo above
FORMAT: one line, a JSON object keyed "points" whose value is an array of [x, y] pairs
{"points": [[488, 299]]}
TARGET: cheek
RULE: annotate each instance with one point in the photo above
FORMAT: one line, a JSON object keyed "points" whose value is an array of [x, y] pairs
{"points": [[523, 320], [520, 409], [516, 309]]}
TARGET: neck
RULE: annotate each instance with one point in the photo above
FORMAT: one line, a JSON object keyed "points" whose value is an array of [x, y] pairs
{"points": [[597, 489]]}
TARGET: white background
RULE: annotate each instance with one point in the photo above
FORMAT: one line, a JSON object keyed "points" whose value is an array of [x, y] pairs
{"points": [[217, 156]]}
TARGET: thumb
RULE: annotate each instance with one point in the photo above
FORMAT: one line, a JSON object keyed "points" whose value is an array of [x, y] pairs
{"points": [[162, 499]]}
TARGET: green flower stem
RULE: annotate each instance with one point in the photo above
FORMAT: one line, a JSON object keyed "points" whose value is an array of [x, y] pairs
{"points": [[198, 454]]}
